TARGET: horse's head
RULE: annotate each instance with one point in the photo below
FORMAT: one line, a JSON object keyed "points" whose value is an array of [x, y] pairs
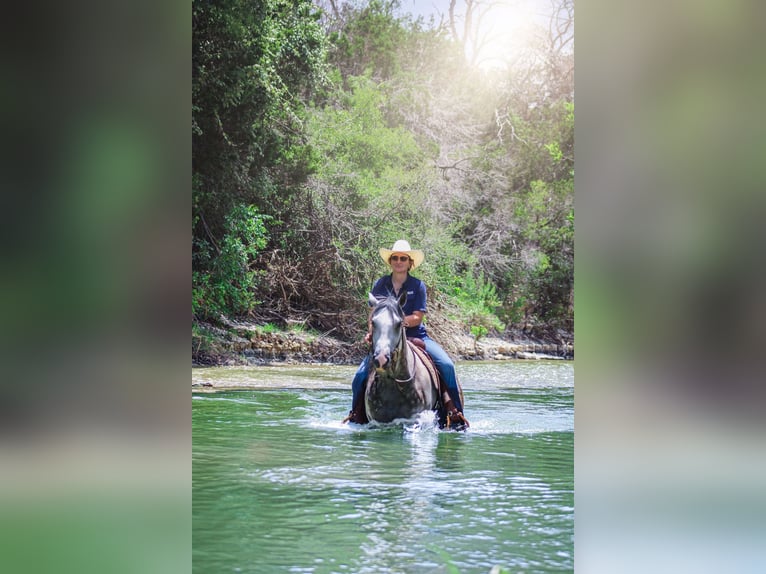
{"points": [[387, 326]]}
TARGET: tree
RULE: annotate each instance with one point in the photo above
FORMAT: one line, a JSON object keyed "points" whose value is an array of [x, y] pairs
{"points": [[252, 60], [395, 134]]}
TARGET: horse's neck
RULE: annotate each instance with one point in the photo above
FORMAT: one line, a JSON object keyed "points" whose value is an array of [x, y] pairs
{"points": [[403, 366]]}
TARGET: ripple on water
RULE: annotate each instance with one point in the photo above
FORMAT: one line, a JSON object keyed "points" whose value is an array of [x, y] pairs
{"points": [[280, 485]]}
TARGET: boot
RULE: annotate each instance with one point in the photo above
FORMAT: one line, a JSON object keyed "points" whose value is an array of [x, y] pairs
{"points": [[454, 419], [358, 413], [353, 417]]}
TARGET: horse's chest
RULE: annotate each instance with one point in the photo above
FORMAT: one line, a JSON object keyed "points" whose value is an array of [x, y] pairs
{"points": [[388, 399], [388, 388]]}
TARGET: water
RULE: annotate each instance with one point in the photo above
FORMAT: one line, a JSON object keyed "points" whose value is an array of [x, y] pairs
{"points": [[279, 485]]}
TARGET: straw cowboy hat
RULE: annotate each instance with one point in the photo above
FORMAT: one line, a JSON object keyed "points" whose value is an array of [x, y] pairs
{"points": [[402, 246]]}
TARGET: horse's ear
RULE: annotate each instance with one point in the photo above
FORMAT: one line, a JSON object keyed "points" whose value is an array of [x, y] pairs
{"points": [[372, 300], [403, 298]]}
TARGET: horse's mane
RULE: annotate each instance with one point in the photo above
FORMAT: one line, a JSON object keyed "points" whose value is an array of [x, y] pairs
{"points": [[390, 302]]}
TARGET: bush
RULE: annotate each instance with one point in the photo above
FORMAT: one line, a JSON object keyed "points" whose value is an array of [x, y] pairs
{"points": [[228, 285]]}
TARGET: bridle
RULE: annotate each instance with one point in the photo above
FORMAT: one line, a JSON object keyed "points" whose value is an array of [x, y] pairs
{"points": [[401, 344]]}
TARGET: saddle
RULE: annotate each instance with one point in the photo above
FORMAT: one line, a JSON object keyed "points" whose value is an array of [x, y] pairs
{"points": [[419, 348], [449, 416]]}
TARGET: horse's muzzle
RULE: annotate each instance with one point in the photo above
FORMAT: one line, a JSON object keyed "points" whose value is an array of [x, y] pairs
{"points": [[381, 360]]}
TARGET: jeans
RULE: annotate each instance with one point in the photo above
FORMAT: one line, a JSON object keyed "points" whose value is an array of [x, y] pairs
{"points": [[443, 363]]}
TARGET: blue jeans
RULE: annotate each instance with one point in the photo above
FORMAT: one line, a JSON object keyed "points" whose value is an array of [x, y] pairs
{"points": [[442, 361]]}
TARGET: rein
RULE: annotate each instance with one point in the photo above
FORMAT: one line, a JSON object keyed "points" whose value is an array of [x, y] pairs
{"points": [[401, 353], [402, 363], [404, 380]]}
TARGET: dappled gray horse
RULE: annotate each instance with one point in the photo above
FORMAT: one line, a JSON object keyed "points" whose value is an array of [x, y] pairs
{"points": [[404, 382]]}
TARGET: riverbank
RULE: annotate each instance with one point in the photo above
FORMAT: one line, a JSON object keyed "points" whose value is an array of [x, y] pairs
{"points": [[239, 343]]}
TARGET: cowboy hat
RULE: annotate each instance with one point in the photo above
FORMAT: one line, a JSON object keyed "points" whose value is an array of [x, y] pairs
{"points": [[402, 246]]}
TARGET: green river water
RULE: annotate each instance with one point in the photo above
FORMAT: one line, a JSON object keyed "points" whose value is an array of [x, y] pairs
{"points": [[279, 485]]}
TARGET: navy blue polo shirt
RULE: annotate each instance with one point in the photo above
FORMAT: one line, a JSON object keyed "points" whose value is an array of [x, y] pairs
{"points": [[416, 299]]}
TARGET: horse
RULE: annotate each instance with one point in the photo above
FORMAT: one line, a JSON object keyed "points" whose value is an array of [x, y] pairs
{"points": [[405, 381]]}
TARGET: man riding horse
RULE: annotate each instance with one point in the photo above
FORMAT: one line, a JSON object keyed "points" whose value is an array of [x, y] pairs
{"points": [[411, 293]]}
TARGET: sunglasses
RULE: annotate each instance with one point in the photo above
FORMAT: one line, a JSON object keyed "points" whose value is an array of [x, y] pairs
{"points": [[400, 258]]}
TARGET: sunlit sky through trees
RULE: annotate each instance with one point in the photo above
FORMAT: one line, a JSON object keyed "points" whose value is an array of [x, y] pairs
{"points": [[501, 29]]}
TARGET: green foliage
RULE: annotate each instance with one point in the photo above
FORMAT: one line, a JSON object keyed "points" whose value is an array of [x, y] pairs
{"points": [[370, 184], [474, 292], [362, 153], [228, 287], [477, 332], [268, 328], [555, 151], [368, 131], [478, 301], [368, 43], [453, 270], [513, 309], [251, 62]]}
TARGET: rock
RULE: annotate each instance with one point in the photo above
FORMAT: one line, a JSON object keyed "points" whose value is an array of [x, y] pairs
{"points": [[537, 356], [246, 343]]}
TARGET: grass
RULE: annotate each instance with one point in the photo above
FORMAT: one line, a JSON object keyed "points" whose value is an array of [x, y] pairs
{"points": [[268, 328]]}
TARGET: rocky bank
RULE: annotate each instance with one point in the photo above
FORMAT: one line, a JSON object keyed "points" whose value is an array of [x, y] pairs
{"points": [[249, 344]]}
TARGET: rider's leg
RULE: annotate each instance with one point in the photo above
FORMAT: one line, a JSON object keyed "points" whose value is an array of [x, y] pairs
{"points": [[357, 388], [446, 369]]}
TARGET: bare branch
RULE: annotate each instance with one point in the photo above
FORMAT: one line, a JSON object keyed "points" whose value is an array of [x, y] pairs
{"points": [[454, 166]]}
